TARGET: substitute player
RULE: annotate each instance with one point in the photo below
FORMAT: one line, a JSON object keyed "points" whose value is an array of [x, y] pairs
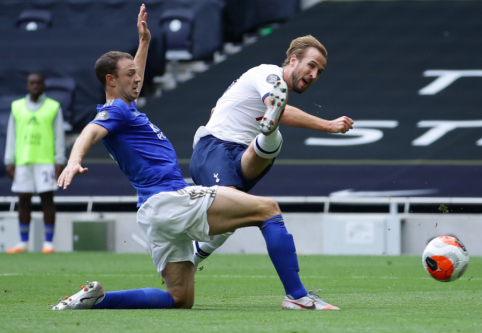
{"points": [[34, 157], [238, 145], [171, 214]]}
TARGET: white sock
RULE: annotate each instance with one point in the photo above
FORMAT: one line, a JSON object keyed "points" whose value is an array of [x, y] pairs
{"points": [[205, 249], [268, 146]]}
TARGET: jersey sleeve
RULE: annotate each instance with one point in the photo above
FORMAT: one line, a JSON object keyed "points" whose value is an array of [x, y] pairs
{"points": [[263, 80], [111, 118]]}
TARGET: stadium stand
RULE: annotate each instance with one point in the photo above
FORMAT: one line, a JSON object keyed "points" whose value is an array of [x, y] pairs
{"points": [[244, 16], [201, 31], [79, 33], [381, 56]]}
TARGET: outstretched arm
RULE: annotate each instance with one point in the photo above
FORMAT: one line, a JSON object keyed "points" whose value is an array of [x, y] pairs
{"points": [[144, 39], [91, 134], [296, 118]]}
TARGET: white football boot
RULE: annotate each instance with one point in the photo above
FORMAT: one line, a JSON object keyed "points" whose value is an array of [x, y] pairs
{"points": [[309, 302], [19, 248], [90, 294], [277, 99]]}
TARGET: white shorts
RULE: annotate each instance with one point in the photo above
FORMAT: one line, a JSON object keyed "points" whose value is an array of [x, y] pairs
{"points": [[170, 221], [34, 178]]}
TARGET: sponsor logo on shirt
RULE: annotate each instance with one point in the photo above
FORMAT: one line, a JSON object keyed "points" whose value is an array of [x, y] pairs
{"points": [[272, 78], [33, 121], [156, 130], [102, 115]]}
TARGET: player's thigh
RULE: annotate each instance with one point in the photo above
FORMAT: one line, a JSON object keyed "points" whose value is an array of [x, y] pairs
{"points": [[44, 176], [233, 209], [23, 182], [179, 280], [252, 164]]}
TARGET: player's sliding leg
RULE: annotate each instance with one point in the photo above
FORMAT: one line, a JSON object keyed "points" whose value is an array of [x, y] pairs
{"points": [[233, 209], [92, 296], [179, 280]]}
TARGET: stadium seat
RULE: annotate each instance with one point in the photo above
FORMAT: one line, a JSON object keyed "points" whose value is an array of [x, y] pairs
{"points": [[177, 27], [34, 19], [62, 90], [244, 16]]}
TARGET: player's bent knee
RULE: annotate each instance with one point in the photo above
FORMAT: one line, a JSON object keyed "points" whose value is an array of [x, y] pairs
{"points": [[270, 208], [183, 302]]}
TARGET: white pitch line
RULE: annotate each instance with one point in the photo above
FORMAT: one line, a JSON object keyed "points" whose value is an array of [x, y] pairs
{"points": [[239, 276]]}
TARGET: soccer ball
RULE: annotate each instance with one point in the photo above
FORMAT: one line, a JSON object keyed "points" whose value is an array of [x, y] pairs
{"points": [[445, 258]]}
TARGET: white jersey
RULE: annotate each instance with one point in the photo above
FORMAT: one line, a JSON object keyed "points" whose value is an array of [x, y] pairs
{"points": [[241, 107]]}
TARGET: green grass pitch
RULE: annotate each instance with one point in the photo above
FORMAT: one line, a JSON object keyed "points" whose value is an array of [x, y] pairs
{"points": [[242, 293]]}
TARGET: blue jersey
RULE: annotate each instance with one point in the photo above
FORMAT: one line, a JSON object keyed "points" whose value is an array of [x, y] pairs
{"points": [[141, 150]]}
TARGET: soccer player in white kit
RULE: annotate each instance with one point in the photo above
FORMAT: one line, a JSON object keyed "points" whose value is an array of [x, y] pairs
{"points": [[238, 145], [171, 213]]}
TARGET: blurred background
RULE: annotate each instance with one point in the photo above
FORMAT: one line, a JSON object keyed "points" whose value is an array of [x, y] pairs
{"points": [[408, 72]]}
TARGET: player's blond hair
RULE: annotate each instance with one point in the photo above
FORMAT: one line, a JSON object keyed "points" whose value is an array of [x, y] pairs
{"points": [[299, 46]]}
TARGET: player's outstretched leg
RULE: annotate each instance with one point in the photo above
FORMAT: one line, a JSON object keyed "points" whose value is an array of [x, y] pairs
{"points": [[92, 296], [282, 251], [276, 105], [204, 250], [233, 209]]}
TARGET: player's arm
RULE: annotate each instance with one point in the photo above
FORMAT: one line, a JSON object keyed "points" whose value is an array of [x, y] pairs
{"points": [[144, 39], [297, 118], [9, 159], [90, 135]]}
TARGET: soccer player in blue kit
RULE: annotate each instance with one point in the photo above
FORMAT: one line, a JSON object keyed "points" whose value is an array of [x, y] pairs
{"points": [[171, 213]]}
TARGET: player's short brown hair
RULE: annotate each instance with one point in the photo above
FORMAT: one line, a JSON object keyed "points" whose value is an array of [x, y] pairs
{"points": [[107, 64], [299, 46]]}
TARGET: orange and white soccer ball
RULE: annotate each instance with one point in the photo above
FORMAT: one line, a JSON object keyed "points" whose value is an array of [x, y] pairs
{"points": [[445, 258]]}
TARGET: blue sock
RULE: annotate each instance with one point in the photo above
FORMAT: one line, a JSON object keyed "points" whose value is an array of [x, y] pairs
{"points": [[24, 229], [49, 232], [282, 251], [146, 298]]}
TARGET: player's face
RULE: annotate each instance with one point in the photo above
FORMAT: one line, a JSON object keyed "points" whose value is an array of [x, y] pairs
{"points": [[35, 85], [307, 71], [127, 81]]}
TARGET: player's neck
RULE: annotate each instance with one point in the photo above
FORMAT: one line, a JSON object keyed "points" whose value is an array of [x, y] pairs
{"points": [[286, 77], [111, 96]]}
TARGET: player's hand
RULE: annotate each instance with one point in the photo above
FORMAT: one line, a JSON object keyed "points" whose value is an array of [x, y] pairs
{"points": [[69, 172], [58, 170], [144, 33], [10, 168], [341, 125]]}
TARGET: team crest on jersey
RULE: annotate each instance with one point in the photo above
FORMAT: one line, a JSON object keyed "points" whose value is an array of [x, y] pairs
{"points": [[272, 78], [103, 115]]}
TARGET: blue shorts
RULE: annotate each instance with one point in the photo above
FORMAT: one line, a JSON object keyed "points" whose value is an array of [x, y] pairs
{"points": [[218, 162]]}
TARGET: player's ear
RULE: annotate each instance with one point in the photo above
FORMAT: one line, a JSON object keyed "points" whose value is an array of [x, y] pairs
{"points": [[109, 79], [293, 60]]}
